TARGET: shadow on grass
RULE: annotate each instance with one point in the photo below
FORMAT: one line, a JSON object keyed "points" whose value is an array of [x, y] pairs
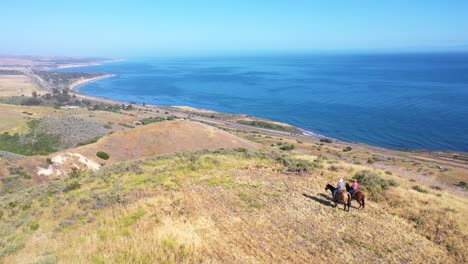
{"points": [[323, 199], [326, 202]]}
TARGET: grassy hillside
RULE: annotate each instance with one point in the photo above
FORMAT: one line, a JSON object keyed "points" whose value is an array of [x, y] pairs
{"points": [[229, 206], [162, 138]]}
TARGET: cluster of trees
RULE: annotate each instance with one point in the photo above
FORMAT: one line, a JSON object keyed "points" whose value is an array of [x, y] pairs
{"points": [[57, 97], [60, 97], [64, 79]]}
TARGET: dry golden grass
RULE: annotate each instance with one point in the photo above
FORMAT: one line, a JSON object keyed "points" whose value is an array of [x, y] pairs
{"points": [[13, 123], [228, 206], [16, 85], [161, 138], [236, 207]]}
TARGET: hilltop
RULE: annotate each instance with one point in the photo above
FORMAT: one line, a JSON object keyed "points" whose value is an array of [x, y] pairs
{"points": [[90, 180]]}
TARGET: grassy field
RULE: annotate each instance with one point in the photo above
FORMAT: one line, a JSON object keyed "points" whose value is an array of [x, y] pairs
{"points": [[14, 85], [227, 206]]}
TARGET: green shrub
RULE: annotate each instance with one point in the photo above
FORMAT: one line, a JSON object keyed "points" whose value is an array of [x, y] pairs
{"points": [[419, 189], [33, 143], [103, 155], [34, 226], [72, 186], [151, 120], [347, 149], [372, 183], [462, 184], [19, 171], [392, 183], [269, 125], [287, 147], [89, 141], [126, 125]]}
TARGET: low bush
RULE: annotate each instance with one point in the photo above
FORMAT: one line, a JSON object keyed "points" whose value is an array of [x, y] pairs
{"points": [[103, 155], [326, 140], [151, 120], [19, 171], [72, 186], [89, 141], [347, 149], [419, 189], [462, 184], [287, 147], [392, 183], [373, 183]]}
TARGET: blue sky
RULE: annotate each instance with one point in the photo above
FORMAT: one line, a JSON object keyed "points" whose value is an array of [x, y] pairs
{"points": [[137, 28]]}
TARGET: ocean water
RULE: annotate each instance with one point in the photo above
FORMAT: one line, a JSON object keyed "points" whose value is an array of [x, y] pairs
{"points": [[416, 101]]}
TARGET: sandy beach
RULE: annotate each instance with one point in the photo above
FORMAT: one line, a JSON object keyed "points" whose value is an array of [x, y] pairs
{"points": [[74, 86], [77, 65]]}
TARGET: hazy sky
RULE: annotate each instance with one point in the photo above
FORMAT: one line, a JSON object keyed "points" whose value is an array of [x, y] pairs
{"points": [[136, 28]]}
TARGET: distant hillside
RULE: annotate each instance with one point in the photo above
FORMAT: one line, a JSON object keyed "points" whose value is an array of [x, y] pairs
{"points": [[162, 138], [159, 138]]}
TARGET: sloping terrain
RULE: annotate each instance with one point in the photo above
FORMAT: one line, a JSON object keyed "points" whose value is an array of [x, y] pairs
{"points": [[71, 130], [161, 138], [158, 138], [228, 207]]}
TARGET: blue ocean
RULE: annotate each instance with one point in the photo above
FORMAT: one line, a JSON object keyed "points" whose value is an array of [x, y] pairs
{"points": [[415, 101]]}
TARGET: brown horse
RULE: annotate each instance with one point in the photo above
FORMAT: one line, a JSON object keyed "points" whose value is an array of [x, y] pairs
{"points": [[342, 197], [359, 196]]}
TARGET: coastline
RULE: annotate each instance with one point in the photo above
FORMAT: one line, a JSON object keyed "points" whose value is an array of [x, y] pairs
{"points": [[78, 65], [74, 86]]}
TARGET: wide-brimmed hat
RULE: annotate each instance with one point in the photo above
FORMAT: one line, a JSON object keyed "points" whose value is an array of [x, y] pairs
{"points": [[341, 180]]}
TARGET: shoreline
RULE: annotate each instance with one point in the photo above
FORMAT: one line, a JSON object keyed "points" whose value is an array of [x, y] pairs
{"points": [[79, 65], [305, 133], [75, 85]]}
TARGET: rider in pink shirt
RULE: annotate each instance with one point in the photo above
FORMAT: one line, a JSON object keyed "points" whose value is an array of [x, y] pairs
{"points": [[355, 185]]}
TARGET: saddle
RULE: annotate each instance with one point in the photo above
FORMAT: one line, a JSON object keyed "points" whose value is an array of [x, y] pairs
{"points": [[338, 192]]}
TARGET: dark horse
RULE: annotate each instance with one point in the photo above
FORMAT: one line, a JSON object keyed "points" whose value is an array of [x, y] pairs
{"points": [[359, 196], [342, 197]]}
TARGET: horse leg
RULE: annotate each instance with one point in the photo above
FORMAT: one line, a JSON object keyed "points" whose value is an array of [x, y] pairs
{"points": [[349, 201]]}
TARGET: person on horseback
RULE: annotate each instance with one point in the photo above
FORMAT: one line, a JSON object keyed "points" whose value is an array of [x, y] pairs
{"points": [[354, 187], [340, 187]]}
